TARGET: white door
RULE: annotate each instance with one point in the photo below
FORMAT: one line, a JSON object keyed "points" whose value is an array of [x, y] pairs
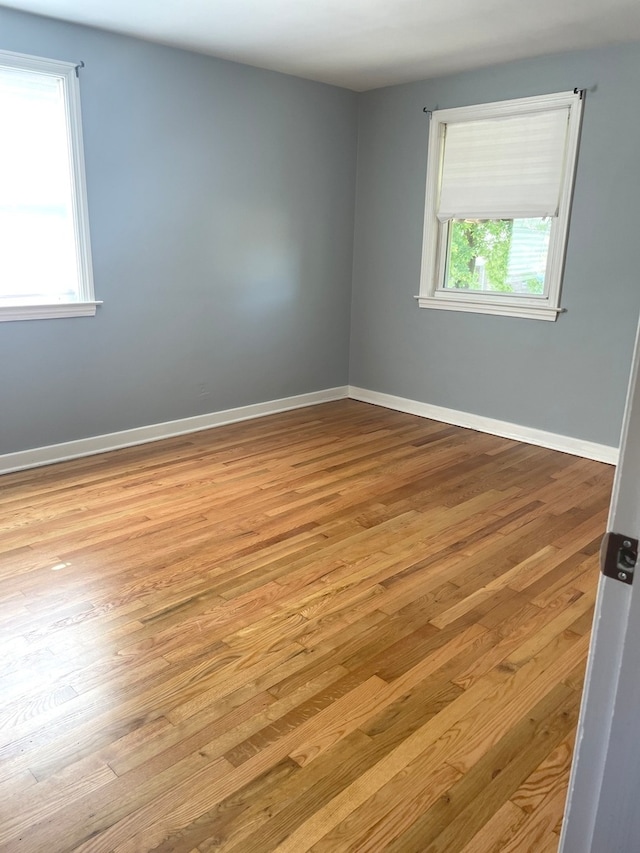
{"points": [[603, 806]]}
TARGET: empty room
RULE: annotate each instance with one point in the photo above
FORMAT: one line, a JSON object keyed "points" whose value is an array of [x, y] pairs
{"points": [[319, 426]]}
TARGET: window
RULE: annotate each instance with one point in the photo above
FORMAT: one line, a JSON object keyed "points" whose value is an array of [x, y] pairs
{"points": [[499, 184], [45, 259]]}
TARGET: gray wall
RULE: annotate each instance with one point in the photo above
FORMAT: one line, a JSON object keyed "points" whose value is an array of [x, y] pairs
{"points": [[569, 376], [221, 209], [221, 201]]}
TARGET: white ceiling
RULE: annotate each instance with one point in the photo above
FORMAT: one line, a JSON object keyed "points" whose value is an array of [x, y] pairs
{"points": [[360, 44]]}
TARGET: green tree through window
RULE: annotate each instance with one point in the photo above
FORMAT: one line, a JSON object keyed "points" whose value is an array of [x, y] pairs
{"points": [[498, 255], [489, 241]]}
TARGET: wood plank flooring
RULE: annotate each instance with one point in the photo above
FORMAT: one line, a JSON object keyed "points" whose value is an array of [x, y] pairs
{"points": [[337, 629]]}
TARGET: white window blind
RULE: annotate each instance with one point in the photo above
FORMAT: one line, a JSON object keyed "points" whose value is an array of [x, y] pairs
{"points": [[508, 167], [38, 259]]}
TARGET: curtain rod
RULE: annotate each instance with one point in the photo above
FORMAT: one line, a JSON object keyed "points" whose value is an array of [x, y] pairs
{"points": [[576, 91]]}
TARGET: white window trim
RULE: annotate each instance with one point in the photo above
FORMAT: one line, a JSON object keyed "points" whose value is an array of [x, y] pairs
{"points": [[86, 304], [434, 246], [48, 312]]}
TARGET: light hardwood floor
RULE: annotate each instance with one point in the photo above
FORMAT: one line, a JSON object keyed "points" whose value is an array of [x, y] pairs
{"points": [[340, 628]]}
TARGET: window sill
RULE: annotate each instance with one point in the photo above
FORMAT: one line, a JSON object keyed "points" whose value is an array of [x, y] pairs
{"points": [[481, 306], [48, 312]]}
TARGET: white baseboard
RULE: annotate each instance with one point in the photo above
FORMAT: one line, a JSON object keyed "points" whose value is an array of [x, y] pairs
{"points": [[155, 432], [529, 435]]}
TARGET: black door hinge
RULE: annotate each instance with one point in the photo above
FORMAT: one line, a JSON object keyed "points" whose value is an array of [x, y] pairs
{"points": [[618, 556]]}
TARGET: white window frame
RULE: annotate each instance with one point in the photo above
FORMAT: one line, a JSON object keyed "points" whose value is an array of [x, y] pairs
{"points": [[433, 293], [86, 304]]}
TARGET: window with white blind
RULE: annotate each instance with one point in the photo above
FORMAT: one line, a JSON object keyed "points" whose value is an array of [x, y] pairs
{"points": [[499, 186], [45, 259]]}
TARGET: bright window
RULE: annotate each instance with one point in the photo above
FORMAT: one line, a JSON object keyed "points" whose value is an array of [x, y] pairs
{"points": [[499, 185], [45, 259]]}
